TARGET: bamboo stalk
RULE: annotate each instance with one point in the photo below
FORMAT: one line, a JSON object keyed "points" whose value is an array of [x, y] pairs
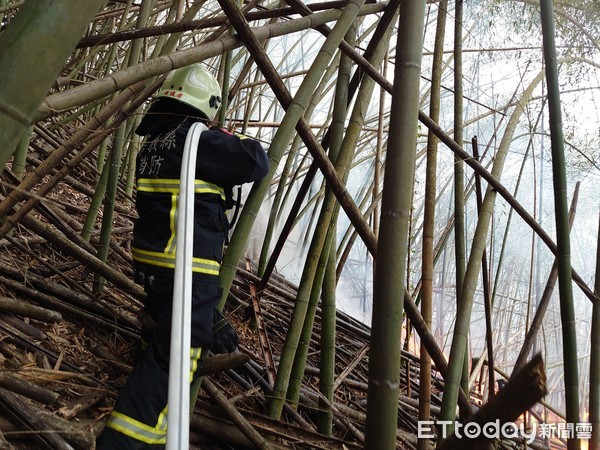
{"points": [[20, 156], [540, 312], [567, 312], [127, 77], [254, 437], [323, 236], [463, 318], [258, 192], [42, 36], [19, 385], [23, 309], [384, 361], [327, 346], [81, 255], [489, 337], [77, 436], [595, 359], [56, 157], [21, 414], [459, 177], [427, 258], [522, 392]]}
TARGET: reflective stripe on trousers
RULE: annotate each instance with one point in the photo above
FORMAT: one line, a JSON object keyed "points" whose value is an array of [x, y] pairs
{"points": [[167, 260], [124, 432]]}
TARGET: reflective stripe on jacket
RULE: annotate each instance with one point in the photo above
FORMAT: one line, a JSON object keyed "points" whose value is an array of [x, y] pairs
{"points": [[223, 161]]}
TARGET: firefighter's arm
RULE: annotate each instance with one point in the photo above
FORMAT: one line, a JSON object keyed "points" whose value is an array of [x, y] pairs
{"points": [[228, 159]]}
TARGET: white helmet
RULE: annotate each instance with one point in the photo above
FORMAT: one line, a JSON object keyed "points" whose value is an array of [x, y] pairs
{"points": [[196, 87]]}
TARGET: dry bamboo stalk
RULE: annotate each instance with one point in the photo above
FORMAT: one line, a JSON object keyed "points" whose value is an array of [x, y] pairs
{"points": [[19, 385], [75, 435], [27, 310], [105, 354], [78, 437], [23, 327], [80, 404], [234, 414], [81, 255], [27, 241], [48, 300], [340, 379], [223, 362], [265, 344], [289, 433], [524, 389], [85, 300], [38, 374], [4, 443], [22, 414], [22, 340], [211, 426]]}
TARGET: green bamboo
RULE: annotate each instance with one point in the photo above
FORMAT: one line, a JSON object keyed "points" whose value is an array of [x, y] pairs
{"points": [[327, 346], [463, 318], [377, 37], [91, 108], [279, 198], [565, 286], [485, 281], [355, 216], [108, 61], [55, 159], [156, 66], [341, 153], [595, 358], [94, 208], [20, 156], [227, 62], [285, 372], [384, 360], [545, 298], [378, 153], [328, 302], [278, 144], [427, 261], [41, 35], [166, 40], [116, 156], [127, 170], [132, 150], [109, 202], [101, 159], [459, 175]]}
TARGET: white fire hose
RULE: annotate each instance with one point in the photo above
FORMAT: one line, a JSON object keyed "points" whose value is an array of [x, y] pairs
{"points": [[178, 415]]}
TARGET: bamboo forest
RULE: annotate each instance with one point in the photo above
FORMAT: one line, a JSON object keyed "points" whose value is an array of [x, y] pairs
{"points": [[419, 268]]}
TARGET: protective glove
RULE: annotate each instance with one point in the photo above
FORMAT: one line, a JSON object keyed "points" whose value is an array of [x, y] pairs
{"points": [[225, 338]]}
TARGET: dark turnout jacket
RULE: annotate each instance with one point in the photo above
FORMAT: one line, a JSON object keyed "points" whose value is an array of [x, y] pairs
{"points": [[223, 161]]}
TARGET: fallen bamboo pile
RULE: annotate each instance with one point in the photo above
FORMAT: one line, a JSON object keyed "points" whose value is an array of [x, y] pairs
{"points": [[65, 351], [64, 358]]}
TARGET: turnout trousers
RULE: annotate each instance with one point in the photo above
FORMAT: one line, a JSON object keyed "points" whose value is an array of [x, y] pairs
{"points": [[139, 419]]}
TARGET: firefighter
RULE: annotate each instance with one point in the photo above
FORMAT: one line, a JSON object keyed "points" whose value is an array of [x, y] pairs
{"points": [[188, 95]]}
